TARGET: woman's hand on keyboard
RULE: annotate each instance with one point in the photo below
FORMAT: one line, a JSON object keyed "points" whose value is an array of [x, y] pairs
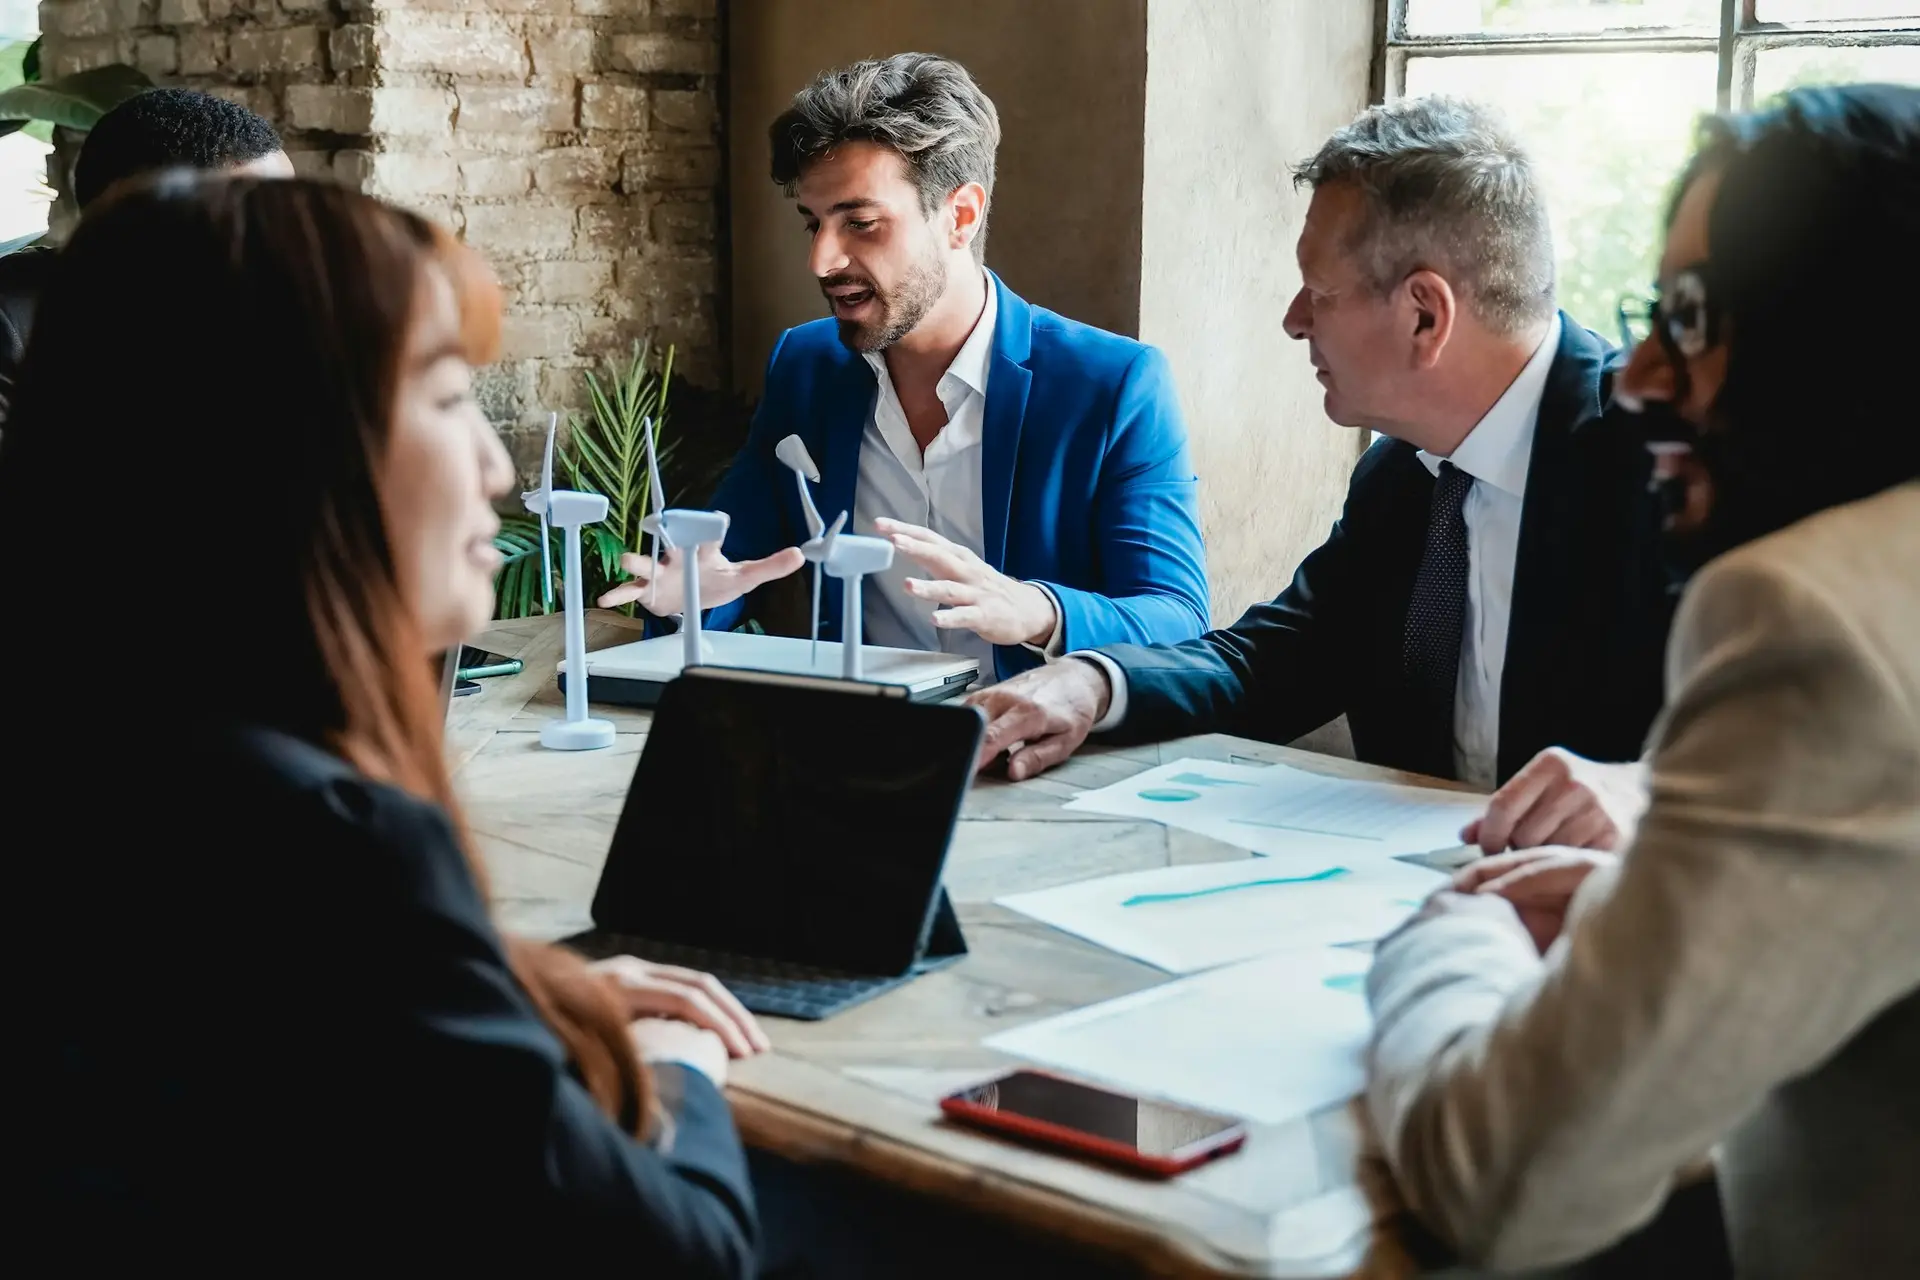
{"points": [[686, 995]]}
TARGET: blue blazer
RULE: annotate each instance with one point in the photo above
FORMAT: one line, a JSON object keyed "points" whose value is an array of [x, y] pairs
{"points": [[1085, 476]]}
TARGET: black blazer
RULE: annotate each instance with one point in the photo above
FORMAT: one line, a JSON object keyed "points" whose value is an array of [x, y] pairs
{"points": [[23, 277], [1591, 607], [283, 1012]]}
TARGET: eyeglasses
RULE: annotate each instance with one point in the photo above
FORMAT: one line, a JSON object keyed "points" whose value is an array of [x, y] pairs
{"points": [[1682, 317]]}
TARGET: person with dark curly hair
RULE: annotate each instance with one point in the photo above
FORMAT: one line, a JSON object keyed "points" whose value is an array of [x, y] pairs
{"points": [[158, 129]]}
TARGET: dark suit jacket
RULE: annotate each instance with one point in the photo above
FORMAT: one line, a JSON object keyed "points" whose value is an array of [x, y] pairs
{"points": [[23, 274], [282, 1010], [1591, 606]]}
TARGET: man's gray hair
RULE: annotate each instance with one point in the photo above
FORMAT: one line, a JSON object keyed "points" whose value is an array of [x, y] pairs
{"points": [[1447, 188], [925, 107]]}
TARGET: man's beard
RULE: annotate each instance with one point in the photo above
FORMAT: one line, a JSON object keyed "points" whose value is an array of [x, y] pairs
{"points": [[901, 308], [1687, 465]]}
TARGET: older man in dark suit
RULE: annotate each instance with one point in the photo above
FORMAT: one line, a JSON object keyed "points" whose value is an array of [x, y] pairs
{"points": [[1492, 587]]}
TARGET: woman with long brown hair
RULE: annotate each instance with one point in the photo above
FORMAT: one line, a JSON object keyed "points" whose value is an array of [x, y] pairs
{"points": [[267, 994]]}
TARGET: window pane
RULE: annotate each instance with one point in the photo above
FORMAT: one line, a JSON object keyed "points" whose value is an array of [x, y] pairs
{"points": [[1834, 10], [24, 194], [1467, 17], [19, 19], [1609, 132], [1780, 69]]}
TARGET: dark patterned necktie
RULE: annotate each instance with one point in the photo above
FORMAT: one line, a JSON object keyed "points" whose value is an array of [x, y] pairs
{"points": [[1437, 613]]}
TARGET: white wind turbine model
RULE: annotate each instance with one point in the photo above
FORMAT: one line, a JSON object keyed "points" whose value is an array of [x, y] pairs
{"points": [[793, 452], [567, 510], [687, 531], [850, 558]]}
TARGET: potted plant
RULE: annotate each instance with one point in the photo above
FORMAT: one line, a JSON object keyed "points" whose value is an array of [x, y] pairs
{"points": [[605, 453]]}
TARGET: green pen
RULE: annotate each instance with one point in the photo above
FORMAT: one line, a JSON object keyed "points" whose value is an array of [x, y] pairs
{"points": [[511, 667]]}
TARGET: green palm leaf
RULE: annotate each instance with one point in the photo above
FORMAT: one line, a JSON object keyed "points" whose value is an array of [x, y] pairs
{"points": [[517, 591], [604, 547], [605, 453]]}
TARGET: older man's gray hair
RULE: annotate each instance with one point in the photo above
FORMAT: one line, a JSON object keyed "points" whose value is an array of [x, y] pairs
{"points": [[1447, 188]]}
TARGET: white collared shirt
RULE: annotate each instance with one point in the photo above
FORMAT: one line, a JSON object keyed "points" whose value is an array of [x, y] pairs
{"points": [[1497, 454], [940, 490]]}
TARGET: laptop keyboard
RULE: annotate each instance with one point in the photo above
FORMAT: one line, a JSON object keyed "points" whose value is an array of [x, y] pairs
{"points": [[777, 988]]}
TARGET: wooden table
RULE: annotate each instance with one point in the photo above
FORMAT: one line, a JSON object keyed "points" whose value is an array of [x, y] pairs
{"points": [[858, 1090]]}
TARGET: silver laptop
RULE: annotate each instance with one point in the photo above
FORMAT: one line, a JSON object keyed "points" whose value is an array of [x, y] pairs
{"points": [[634, 674]]}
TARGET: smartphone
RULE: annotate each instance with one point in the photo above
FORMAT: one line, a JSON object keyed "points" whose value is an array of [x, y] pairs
{"points": [[1156, 1138], [461, 688]]}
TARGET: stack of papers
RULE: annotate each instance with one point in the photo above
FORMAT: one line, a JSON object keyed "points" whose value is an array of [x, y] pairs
{"points": [[1274, 809], [1269, 1040], [1274, 1024]]}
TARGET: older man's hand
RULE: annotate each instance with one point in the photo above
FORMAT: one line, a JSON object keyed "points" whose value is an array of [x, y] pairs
{"points": [[1040, 717], [1560, 798]]}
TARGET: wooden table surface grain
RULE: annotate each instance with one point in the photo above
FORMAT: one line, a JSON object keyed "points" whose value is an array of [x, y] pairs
{"points": [[859, 1090]]}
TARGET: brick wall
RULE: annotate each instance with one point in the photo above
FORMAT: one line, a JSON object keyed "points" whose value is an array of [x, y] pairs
{"points": [[575, 142]]}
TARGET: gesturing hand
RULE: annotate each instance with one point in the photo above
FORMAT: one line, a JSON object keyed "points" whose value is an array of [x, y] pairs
{"points": [[722, 581], [1540, 883], [1560, 798], [973, 595], [684, 995], [1040, 717]]}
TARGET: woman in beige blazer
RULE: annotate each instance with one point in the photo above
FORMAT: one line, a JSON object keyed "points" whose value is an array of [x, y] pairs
{"points": [[1745, 977]]}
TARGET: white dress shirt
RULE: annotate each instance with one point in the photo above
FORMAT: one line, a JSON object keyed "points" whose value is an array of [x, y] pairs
{"points": [[939, 489], [1496, 453]]}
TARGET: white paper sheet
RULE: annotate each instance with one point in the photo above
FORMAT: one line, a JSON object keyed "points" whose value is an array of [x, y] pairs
{"points": [[1270, 1039], [1276, 808], [1189, 918]]}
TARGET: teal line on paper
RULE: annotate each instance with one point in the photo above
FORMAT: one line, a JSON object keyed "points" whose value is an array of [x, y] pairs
{"points": [[1204, 780], [1314, 831], [1345, 982], [1146, 899], [1168, 795]]}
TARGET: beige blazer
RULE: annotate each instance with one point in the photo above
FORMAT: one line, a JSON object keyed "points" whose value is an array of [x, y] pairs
{"points": [[1750, 977]]}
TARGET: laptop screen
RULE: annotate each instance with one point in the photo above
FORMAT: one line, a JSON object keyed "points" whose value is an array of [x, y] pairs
{"points": [[803, 824]]}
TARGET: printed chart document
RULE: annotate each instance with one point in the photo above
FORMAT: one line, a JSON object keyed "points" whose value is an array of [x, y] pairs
{"points": [[1275, 808], [1269, 1039], [1184, 919]]}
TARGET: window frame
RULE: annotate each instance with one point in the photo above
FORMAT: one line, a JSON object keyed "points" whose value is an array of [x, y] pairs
{"points": [[1737, 44]]}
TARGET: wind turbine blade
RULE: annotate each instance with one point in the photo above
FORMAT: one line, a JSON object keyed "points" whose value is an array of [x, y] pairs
{"points": [[826, 552], [656, 493], [546, 467], [546, 561], [807, 508], [656, 498], [813, 651], [546, 505], [793, 452]]}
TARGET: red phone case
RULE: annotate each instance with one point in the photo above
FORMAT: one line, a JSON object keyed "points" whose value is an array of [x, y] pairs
{"points": [[1226, 1142]]}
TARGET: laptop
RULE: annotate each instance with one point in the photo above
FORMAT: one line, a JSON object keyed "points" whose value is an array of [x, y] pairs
{"points": [[635, 674], [788, 836]]}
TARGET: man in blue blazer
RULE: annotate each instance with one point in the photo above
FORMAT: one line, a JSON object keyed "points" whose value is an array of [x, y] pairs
{"points": [[1031, 472]]}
